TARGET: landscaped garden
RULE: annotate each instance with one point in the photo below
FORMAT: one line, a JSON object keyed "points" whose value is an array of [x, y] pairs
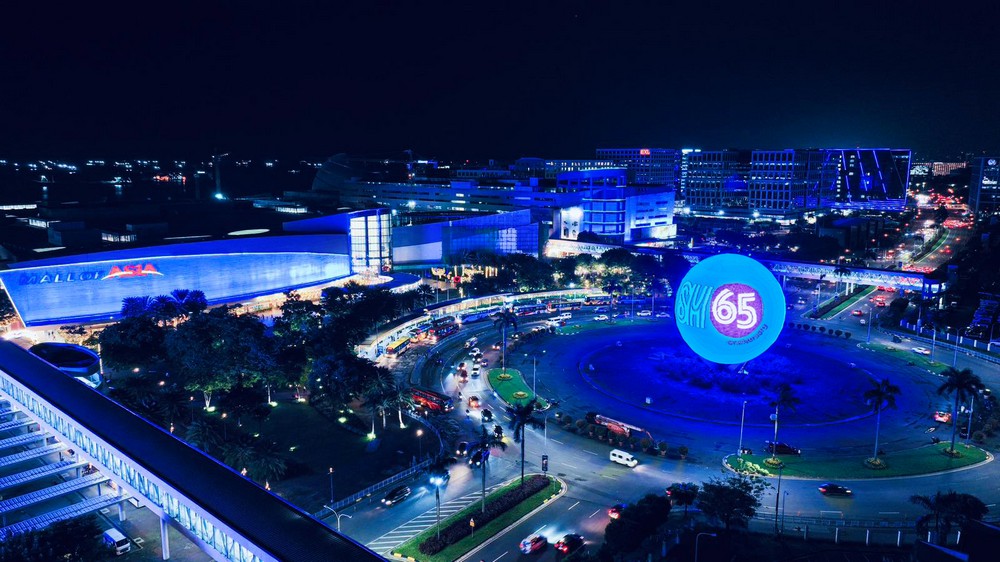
{"points": [[510, 385]]}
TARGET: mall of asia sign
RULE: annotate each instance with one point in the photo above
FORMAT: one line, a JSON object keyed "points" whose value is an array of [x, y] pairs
{"points": [[729, 309]]}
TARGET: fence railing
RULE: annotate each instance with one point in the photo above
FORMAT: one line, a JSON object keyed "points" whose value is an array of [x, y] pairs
{"points": [[966, 345], [358, 496]]}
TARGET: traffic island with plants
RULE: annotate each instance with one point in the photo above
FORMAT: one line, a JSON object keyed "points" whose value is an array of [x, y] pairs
{"points": [[509, 384], [911, 462], [504, 507]]}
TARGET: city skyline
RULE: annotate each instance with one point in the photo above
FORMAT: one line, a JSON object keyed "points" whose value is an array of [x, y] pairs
{"points": [[500, 82]]}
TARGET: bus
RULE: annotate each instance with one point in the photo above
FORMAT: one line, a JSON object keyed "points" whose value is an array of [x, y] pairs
{"points": [[528, 309], [564, 306], [477, 315], [433, 401], [443, 320], [441, 331], [397, 347], [419, 333], [600, 300]]}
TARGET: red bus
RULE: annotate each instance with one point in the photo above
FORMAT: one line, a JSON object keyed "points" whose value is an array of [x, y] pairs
{"points": [[442, 331], [433, 401], [597, 301]]}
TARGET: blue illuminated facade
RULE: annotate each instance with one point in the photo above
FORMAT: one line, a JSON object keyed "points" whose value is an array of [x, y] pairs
{"points": [[90, 287]]}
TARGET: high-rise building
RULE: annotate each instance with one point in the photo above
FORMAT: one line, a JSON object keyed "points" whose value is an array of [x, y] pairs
{"points": [[789, 180], [716, 180], [645, 166], [870, 179], [984, 189]]}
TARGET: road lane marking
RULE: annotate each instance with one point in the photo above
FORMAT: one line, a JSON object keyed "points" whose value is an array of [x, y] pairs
{"points": [[572, 506], [555, 441], [594, 513], [501, 556], [539, 530], [571, 466], [592, 453]]}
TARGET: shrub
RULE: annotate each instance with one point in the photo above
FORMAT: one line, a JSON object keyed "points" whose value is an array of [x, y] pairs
{"points": [[580, 424], [646, 443], [839, 333], [495, 508], [847, 335], [633, 441], [663, 447], [591, 429], [601, 432], [822, 329], [978, 436], [813, 328], [565, 420], [682, 450]]}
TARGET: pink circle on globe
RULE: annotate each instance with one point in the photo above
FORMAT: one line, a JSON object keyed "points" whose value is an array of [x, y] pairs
{"points": [[736, 310]]}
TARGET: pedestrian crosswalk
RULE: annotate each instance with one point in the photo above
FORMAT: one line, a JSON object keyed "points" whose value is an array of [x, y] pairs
{"points": [[421, 523]]}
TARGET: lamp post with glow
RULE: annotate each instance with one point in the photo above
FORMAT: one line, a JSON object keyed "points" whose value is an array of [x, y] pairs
{"points": [[331, 485], [420, 442], [743, 416]]}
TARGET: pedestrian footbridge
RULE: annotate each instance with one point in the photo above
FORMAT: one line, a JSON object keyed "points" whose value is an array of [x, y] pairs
{"points": [[51, 427]]}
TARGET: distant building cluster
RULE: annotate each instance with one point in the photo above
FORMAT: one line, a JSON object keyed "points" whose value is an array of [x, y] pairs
{"points": [[984, 188]]}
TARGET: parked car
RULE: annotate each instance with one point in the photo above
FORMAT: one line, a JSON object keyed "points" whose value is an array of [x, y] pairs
{"points": [[462, 448], [942, 417], [534, 543], [601, 318], [830, 489], [616, 510], [663, 315], [396, 495], [921, 351], [781, 448], [644, 313], [570, 543]]}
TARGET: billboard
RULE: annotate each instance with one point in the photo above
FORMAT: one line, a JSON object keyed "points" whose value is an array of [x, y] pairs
{"points": [[729, 309]]}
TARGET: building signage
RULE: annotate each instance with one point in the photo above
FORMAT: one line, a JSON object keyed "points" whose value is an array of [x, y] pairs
{"points": [[116, 272], [138, 270], [729, 309]]}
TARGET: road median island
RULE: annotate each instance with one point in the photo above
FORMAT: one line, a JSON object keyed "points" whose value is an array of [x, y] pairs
{"points": [[510, 385], [911, 462], [457, 525]]}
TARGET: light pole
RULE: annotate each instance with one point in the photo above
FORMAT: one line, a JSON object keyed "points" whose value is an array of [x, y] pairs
{"points": [[339, 515], [743, 416], [784, 501], [954, 360], [777, 498], [696, 539], [869, 324], [436, 481], [331, 485], [968, 429], [420, 442], [933, 342]]}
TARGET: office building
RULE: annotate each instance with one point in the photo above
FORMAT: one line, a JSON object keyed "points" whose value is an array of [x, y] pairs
{"points": [[449, 242], [645, 166], [789, 181], [984, 189], [716, 180], [875, 179]]}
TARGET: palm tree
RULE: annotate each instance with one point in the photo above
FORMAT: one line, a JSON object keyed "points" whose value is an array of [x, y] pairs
{"points": [[841, 271], [882, 395], [189, 301], [135, 306], [785, 398], [267, 463], [487, 442], [239, 452], [400, 398], [425, 293], [522, 416], [947, 510], [203, 434], [963, 384]]}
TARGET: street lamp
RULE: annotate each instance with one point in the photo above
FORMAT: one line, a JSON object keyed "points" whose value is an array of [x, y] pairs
{"points": [[696, 538], [331, 485], [743, 416], [420, 442], [869, 324], [437, 481], [339, 515], [777, 497]]}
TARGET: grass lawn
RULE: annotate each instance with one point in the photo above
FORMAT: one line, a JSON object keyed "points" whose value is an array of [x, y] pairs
{"points": [[411, 547], [910, 356], [508, 388], [923, 460]]}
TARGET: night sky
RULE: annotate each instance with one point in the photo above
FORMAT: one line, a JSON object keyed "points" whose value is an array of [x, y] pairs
{"points": [[496, 79]]}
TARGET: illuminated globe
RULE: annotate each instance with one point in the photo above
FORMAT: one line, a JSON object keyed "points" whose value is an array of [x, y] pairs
{"points": [[729, 309]]}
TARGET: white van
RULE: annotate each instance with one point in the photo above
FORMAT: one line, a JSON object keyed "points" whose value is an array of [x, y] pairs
{"points": [[621, 457], [471, 342], [564, 316], [115, 540]]}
